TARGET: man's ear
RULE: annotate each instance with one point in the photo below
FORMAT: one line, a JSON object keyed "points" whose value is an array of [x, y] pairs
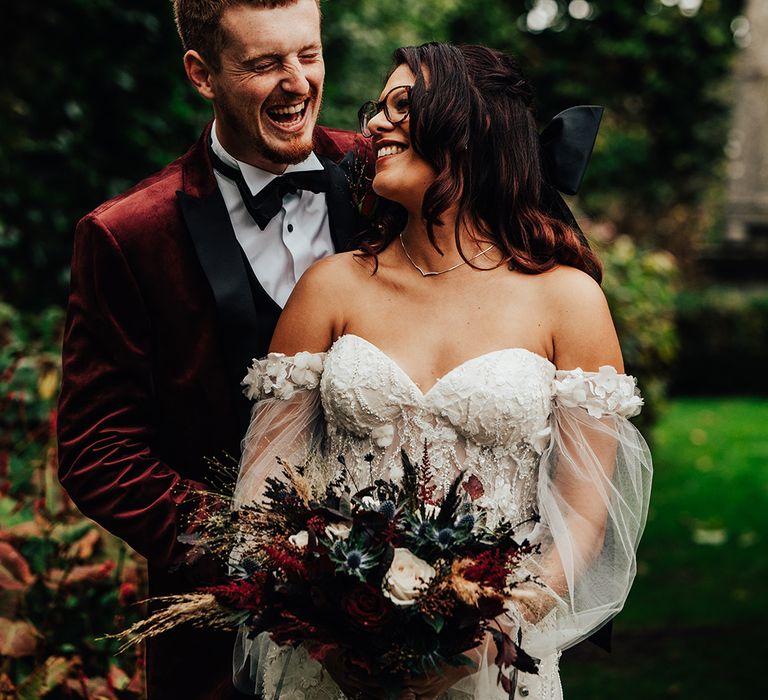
{"points": [[199, 74]]}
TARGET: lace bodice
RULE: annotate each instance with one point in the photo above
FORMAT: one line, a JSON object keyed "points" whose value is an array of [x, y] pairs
{"points": [[537, 439], [489, 416]]}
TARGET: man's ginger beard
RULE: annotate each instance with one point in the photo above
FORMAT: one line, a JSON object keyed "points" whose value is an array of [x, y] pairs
{"points": [[283, 152]]}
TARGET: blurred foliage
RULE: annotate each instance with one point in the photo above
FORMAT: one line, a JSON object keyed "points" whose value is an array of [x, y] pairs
{"points": [[660, 74], [640, 286], [723, 341], [701, 570], [64, 582], [97, 99]]}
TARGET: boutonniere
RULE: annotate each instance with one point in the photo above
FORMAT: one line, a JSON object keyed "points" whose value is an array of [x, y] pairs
{"points": [[359, 170]]}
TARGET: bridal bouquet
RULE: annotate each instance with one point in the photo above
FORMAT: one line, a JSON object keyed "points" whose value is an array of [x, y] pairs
{"points": [[398, 581]]}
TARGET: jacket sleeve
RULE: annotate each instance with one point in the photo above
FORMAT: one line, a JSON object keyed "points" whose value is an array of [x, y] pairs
{"points": [[105, 420]]}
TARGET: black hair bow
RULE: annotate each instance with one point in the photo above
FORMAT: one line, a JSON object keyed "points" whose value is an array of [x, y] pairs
{"points": [[566, 146]]}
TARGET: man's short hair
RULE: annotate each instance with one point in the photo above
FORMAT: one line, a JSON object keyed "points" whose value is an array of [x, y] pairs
{"points": [[199, 24]]}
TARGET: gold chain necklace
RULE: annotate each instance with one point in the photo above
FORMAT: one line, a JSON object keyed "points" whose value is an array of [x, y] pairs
{"points": [[430, 273]]}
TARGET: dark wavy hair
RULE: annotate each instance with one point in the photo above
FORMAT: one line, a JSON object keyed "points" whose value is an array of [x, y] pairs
{"points": [[471, 119]]}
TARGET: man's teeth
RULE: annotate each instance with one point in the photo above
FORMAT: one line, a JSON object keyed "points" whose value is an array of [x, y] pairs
{"points": [[295, 109], [390, 150]]}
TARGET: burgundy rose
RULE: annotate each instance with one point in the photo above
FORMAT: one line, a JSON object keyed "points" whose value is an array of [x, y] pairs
{"points": [[366, 606]]}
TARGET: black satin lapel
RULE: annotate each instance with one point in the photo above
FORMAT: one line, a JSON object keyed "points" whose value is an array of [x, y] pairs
{"points": [[343, 217], [222, 261]]}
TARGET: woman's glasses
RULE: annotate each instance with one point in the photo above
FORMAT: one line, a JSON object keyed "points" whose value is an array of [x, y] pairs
{"points": [[396, 105]]}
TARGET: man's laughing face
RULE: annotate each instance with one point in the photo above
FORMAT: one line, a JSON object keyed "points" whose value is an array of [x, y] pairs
{"points": [[268, 91]]}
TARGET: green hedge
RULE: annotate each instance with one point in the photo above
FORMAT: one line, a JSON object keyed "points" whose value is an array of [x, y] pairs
{"points": [[723, 342], [640, 285]]}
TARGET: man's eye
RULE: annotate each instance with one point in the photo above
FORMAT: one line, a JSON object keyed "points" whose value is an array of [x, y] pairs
{"points": [[262, 67], [313, 56]]}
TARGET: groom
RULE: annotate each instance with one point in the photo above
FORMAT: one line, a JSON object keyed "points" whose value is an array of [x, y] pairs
{"points": [[177, 283]]}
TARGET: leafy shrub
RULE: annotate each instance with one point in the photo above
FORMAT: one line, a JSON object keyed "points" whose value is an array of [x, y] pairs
{"points": [[64, 582], [640, 286], [723, 341]]}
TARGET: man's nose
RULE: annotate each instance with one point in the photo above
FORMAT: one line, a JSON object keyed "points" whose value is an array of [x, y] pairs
{"points": [[295, 80]]}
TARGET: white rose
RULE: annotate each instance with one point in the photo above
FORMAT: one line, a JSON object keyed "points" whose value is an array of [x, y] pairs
{"points": [[406, 577], [383, 435], [300, 539], [338, 530]]}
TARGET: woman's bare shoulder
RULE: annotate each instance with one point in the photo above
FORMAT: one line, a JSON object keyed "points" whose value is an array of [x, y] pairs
{"points": [[335, 271], [317, 309], [566, 286], [582, 328]]}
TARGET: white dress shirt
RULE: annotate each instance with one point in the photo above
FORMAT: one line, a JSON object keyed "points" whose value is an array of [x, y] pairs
{"points": [[297, 236]]}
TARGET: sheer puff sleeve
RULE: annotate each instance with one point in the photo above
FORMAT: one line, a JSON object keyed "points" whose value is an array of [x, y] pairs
{"points": [[285, 419], [286, 423], [593, 491]]}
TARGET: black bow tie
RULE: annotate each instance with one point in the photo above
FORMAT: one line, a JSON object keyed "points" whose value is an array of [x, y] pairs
{"points": [[266, 204]]}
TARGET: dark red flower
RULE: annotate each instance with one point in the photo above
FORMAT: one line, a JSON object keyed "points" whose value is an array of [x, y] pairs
{"points": [[285, 561], [292, 630], [241, 595], [366, 606], [474, 487], [317, 524], [488, 569], [128, 593]]}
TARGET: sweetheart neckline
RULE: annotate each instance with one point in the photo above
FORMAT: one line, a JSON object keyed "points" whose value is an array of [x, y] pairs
{"points": [[425, 394]]}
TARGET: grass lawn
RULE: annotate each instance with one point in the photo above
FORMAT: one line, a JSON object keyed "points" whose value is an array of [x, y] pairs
{"points": [[694, 625]]}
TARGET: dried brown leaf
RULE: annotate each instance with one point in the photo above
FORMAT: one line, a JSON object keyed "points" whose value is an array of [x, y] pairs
{"points": [[15, 574], [117, 678], [85, 546], [17, 638], [22, 531], [85, 573]]}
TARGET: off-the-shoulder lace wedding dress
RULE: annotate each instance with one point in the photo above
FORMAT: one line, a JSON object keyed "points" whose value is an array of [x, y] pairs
{"points": [[540, 440]]}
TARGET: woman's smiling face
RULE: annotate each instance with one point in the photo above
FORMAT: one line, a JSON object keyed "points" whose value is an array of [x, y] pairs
{"points": [[402, 175]]}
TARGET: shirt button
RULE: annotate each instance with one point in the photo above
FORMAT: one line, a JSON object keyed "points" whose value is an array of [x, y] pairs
{"points": [[290, 228]]}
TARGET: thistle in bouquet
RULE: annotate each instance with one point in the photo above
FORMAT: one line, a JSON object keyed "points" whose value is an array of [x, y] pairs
{"points": [[398, 581]]}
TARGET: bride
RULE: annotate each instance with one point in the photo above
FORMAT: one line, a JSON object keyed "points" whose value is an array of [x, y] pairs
{"points": [[471, 323]]}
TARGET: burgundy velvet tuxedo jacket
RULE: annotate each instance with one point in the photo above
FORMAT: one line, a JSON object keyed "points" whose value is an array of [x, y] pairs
{"points": [[164, 316]]}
